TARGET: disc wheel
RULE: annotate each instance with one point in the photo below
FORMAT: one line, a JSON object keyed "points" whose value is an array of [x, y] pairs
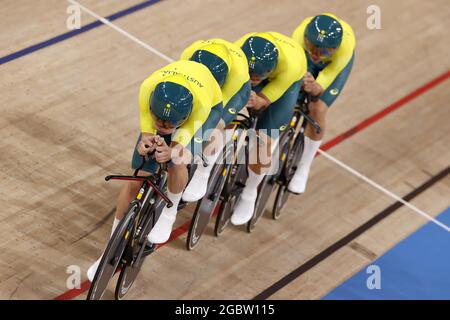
{"points": [[112, 255]]}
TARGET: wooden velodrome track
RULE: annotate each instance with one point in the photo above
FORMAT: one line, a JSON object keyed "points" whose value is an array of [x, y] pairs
{"points": [[69, 117]]}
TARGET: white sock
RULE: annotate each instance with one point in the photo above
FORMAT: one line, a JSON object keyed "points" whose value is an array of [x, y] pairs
{"points": [[175, 198], [252, 183], [310, 150]]}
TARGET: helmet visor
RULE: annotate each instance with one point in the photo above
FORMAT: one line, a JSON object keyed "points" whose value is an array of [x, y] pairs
{"points": [[315, 51], [167, 124], [259, 75]]}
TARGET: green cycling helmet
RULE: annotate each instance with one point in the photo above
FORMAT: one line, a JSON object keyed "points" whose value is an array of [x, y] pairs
{"points": [[216, 58], [262, 56], [324, 32], [171, 102]]}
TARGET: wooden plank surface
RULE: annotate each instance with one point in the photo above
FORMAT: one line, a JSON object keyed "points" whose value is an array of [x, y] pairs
{"points": [[69, 117]]}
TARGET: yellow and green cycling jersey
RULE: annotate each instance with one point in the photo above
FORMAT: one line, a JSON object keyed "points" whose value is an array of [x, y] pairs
{"points": [[237, 66], [332, 67], [200, 82], [291, 66]]}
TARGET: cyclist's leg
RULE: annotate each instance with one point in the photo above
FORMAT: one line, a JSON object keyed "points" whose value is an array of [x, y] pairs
{"points": [[218, 138], [318, 111], [176, 182], [178, 177], [274, 119]]}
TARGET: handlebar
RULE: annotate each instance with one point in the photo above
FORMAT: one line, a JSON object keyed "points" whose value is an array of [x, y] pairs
{"points": [[148, 179], [150, 155]]}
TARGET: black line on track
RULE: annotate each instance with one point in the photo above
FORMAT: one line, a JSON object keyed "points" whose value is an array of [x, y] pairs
{"points": [[308, 265]]}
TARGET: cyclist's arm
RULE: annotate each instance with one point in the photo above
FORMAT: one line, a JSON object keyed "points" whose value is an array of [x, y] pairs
{"points": [[311, 86], [277, 87], [146, 144], [233, 85], [262, 101], [146, 89], [333, 70], [183, 135]]}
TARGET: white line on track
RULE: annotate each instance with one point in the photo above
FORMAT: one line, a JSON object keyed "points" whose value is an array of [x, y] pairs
{"points": [[325, 154], [384, 190], [120, 30]]}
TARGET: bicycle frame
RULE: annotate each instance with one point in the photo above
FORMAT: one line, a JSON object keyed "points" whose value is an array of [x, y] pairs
{"points": [[147, 182], [300, 112], [149, 185]]}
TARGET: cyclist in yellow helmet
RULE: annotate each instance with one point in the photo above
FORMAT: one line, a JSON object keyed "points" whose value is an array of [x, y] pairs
{"points": [[276, 65], [178, 103], [228, 65]]}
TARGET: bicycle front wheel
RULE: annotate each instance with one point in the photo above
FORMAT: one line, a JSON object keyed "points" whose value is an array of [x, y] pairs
{"points": [[112, 255], [294, 156], [127, 276], [290, 167], [265, 191]]}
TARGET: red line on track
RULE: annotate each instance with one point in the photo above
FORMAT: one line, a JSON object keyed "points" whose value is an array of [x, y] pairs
{"points": [[73, 293], [379, 115]]}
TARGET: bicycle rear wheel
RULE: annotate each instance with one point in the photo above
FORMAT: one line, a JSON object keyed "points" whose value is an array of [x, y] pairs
{"points": [[289, 170], [112, 255], [137, 250], [269, 181], [206, 205]]}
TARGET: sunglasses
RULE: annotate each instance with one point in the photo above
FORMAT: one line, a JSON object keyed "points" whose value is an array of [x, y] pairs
{"points": [[166, 124], [322, 53]]}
